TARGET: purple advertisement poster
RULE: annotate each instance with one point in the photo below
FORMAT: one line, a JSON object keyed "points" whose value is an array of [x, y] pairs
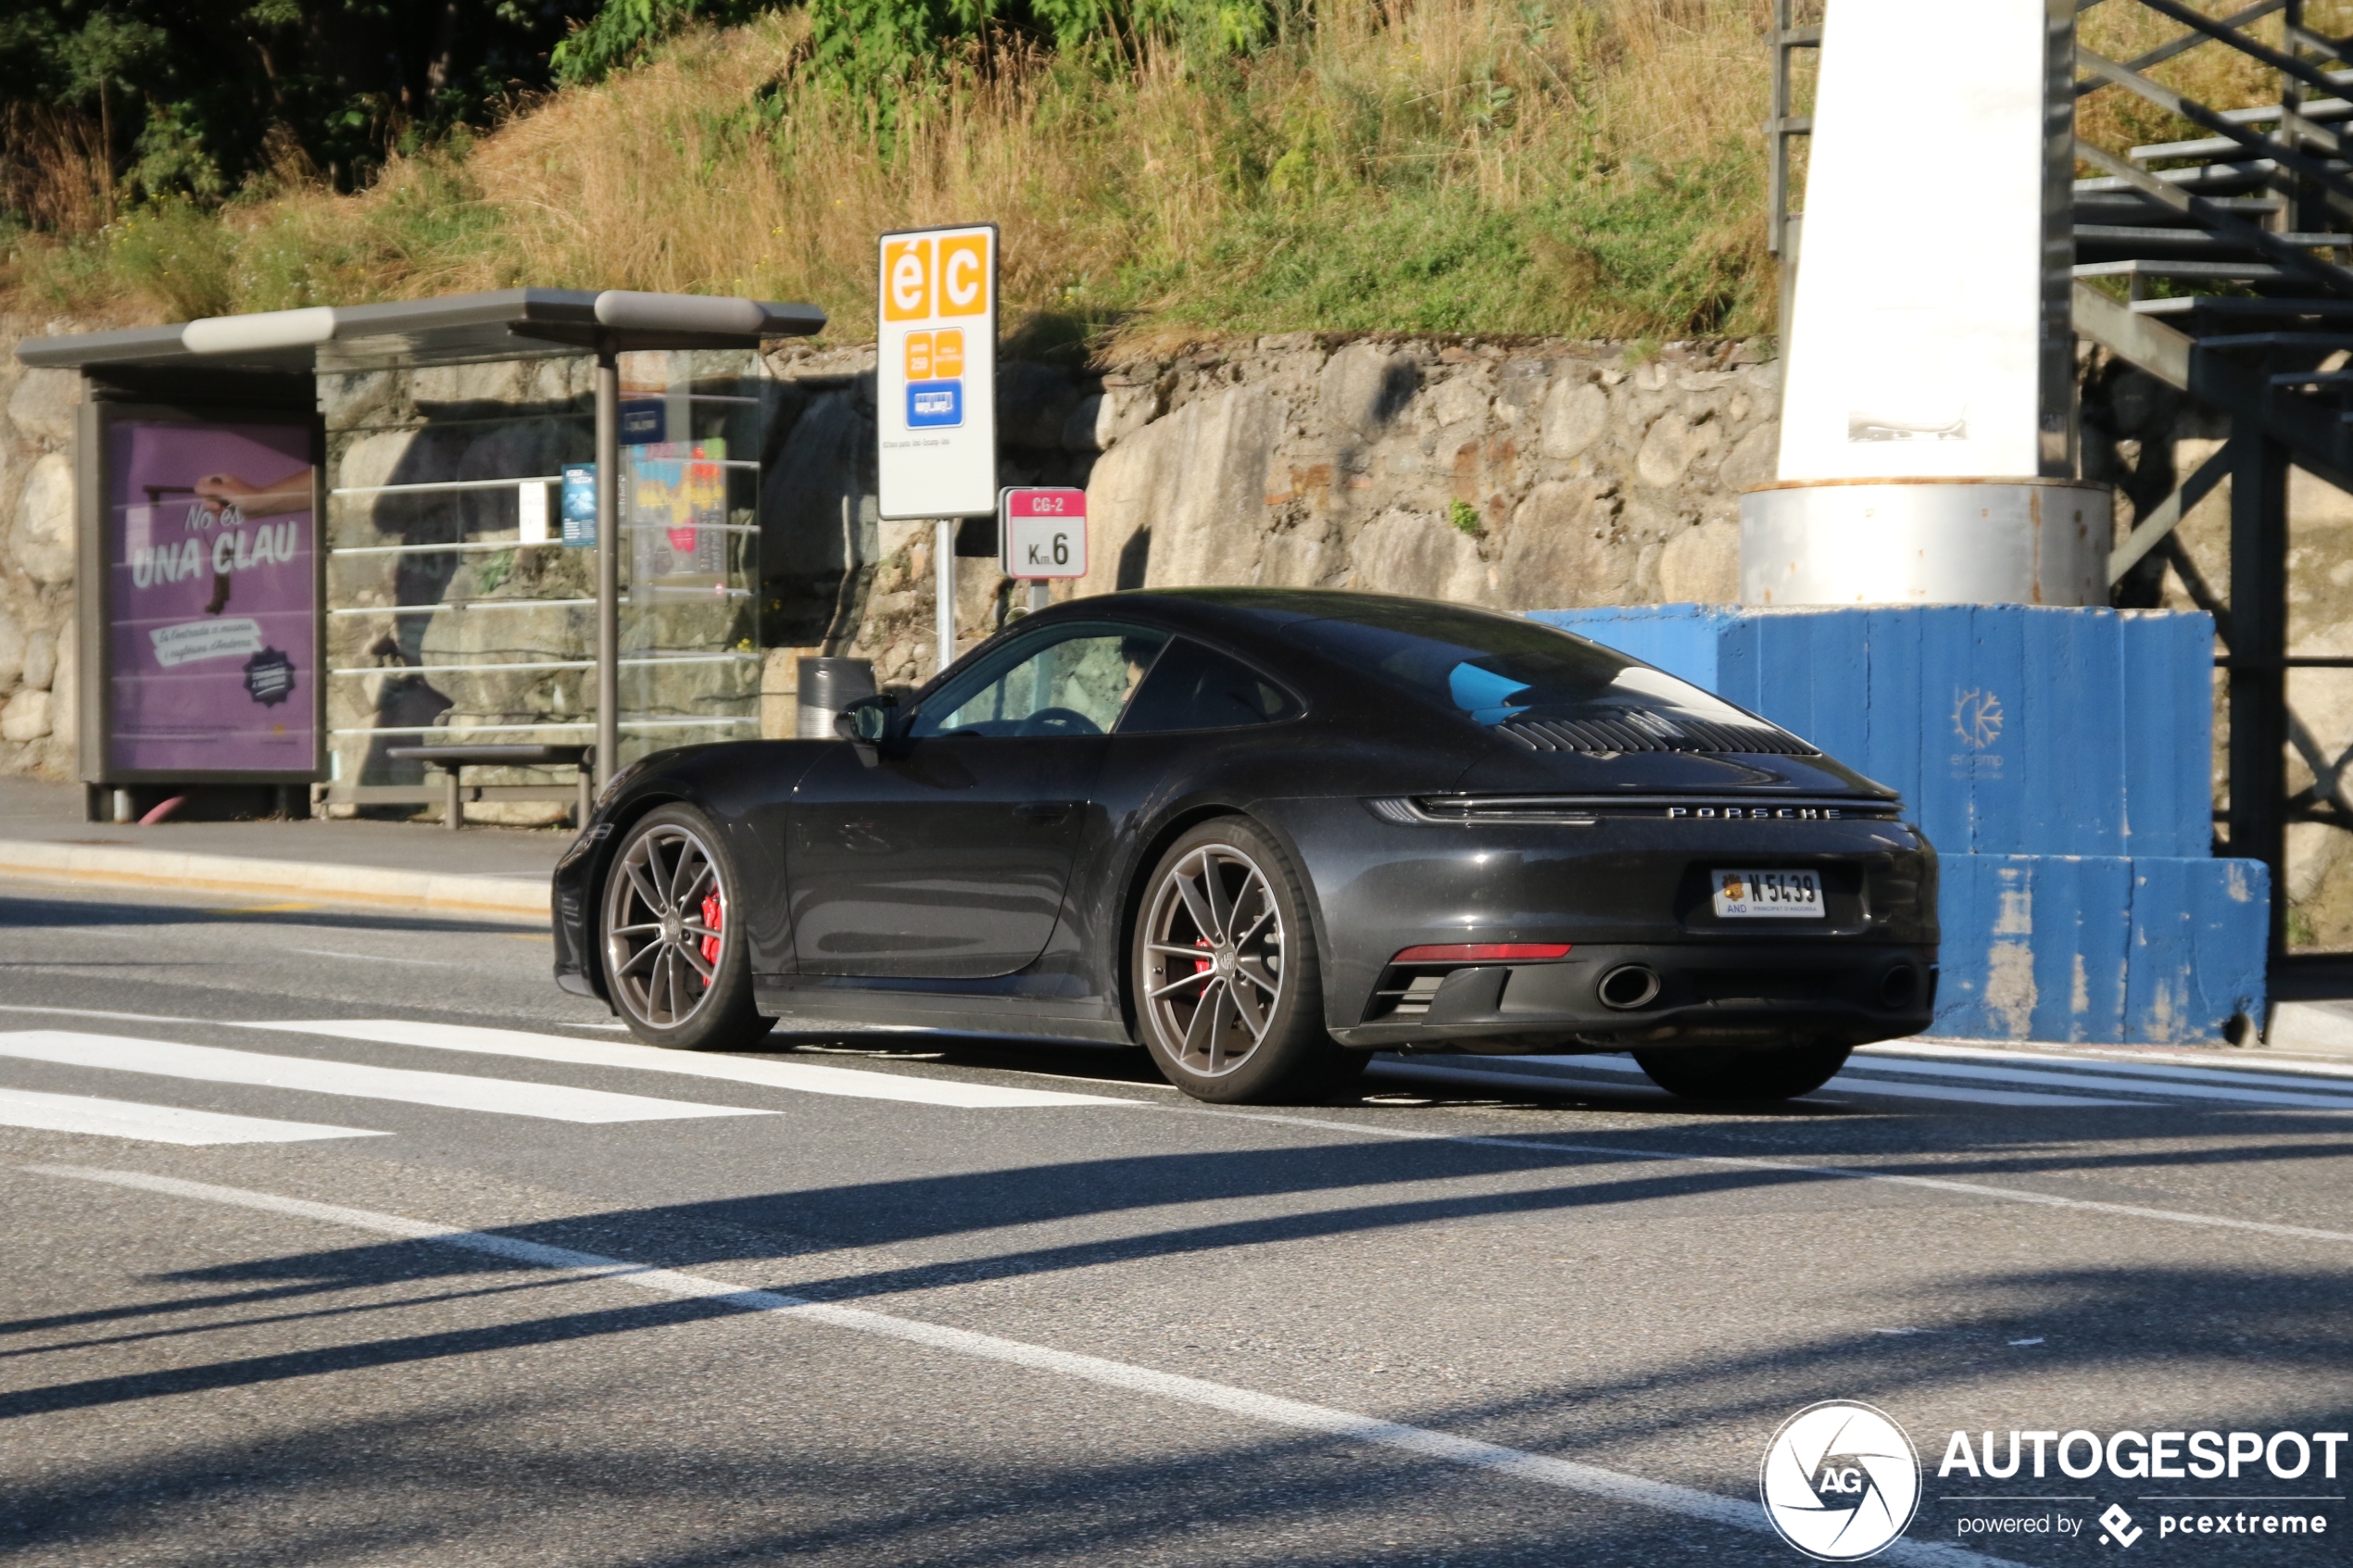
{"points": [[213, 598]]}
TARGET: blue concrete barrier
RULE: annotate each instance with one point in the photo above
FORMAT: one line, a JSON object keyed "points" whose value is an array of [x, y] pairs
{"points": [[2010, 729], [2099, 949], [2059, 761]]}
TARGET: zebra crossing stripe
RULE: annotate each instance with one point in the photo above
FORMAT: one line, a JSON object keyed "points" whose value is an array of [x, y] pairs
{"points": [[154, 1123], [802, 1077], [451, 1091]]}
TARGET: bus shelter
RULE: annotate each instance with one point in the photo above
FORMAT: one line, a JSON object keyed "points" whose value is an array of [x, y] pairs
{"points": [[313, 541]]}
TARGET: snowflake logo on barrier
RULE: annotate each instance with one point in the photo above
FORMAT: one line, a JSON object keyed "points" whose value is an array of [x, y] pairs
{"points": [[1977, 718]]}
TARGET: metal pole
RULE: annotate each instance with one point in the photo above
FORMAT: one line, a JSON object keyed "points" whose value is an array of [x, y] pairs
{"points": [[2257, 681], [943, 551], [607, 561], [1041, 593]]}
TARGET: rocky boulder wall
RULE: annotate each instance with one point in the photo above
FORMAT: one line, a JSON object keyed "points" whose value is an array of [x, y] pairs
{"points": [[1548, 475], [37, 648]]}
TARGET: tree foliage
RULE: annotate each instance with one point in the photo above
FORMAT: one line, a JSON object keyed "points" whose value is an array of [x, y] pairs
{"points": [[190, 98], [622, 31], [869, 45]]}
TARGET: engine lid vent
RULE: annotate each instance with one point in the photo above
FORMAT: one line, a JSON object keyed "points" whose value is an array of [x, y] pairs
{"points": [[1637, 729]]}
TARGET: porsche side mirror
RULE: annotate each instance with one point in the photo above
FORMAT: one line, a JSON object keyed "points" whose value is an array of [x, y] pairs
{"points": [[867, 724]]}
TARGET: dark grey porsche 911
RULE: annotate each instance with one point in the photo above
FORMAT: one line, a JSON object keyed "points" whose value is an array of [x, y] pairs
{"points": [[1264, 834]]}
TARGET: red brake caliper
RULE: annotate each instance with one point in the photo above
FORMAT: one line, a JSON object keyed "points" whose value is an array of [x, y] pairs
{"points": [[711, 916]]}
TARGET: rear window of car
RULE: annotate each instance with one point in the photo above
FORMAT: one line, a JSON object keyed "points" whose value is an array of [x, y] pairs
{"points": [[1497, 667], [1192, 687]]}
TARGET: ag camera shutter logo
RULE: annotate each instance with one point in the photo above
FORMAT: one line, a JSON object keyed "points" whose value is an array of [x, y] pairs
{"points": [[1840, 1481]]}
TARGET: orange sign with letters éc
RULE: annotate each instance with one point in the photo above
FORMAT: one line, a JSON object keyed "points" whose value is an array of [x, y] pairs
{"points": [[936, 372]]}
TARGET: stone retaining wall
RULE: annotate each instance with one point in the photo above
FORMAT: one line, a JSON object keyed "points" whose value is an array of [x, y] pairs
{"points": [[1547, 474], [36, 561]]}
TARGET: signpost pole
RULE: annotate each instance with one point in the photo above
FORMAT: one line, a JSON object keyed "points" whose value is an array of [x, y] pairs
{"points": [[935, 391], [608, 560], [943, 572]]}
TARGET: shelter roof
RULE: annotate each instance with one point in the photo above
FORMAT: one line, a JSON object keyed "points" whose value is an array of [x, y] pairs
{"points": [[452, 329]]}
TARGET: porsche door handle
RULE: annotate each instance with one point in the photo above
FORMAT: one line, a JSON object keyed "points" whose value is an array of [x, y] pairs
{"points": [[1044, 813]]}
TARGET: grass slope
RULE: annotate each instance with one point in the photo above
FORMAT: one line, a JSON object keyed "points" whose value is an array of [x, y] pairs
{"points": [[1575, 167]]}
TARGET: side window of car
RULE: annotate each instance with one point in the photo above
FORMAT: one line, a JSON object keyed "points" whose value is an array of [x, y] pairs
{"points": [[1076, 684], [1192, 687]]}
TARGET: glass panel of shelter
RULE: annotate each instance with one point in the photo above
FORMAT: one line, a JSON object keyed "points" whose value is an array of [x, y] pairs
{"points": [[450, 620]]}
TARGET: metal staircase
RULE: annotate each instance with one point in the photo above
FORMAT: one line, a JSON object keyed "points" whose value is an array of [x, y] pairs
{"points": [[2218, 264]]}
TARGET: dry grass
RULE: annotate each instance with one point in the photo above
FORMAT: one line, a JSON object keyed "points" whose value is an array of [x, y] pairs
{"points": [[2214, 75], [1581, 166], [53, 172]]}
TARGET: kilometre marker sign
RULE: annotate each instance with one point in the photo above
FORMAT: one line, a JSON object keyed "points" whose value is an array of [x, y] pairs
{"points": [[1042, 532]]}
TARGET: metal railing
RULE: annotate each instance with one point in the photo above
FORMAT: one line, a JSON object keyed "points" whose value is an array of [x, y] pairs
{"points": [[2255, 330]]}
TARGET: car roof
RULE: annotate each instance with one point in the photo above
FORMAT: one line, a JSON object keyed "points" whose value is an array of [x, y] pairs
{"points": [[1251, 614]]}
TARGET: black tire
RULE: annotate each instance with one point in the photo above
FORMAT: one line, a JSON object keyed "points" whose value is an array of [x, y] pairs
{"points": [[1261, 966], [1726, 1073], [658, 971]]}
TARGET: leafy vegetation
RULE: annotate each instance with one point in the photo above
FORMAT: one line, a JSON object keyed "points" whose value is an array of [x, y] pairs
{"points": [[161, 99], [1158, 167]]}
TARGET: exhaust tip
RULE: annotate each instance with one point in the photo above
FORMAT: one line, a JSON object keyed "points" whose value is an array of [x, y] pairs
{"points": [[1629, 986], [1899, 985]]}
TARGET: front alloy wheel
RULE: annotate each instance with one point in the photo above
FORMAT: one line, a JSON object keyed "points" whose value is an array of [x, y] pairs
{"points": [[674, 964]]}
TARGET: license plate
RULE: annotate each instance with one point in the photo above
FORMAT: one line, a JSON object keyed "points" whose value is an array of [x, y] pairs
{"points": [[1767, 895]]}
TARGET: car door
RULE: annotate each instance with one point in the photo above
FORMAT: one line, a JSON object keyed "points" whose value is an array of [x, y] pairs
{"points": [[948, 857]]}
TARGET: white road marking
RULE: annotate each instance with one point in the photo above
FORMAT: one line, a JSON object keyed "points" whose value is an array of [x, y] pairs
{"points": [[92, 1012], [505, 1096], [2168, 1088], [2095, 1074], [1841, 1172], [1910, 1053], [1860, 1086], [1469, 1453], [804, 1078], [2123, 1059], [1434, 1071], [154, 1123], [373, 958]]}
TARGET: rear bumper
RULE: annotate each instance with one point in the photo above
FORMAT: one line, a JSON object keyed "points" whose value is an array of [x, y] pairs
{"points": [[1706, 994]]}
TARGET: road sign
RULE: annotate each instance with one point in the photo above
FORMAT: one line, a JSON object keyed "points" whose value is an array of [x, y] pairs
{"points": [[1042, 534], [935, 373]]}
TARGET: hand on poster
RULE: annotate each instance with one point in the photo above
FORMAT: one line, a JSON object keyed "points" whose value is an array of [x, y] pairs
{"points": [[210, 605], [290, 494]]}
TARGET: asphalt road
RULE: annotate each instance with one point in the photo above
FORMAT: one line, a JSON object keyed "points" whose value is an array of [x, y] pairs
{"points": [[484, 1282]]}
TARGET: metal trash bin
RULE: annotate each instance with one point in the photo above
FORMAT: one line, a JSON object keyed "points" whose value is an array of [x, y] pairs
{"points": [[828, 685]]}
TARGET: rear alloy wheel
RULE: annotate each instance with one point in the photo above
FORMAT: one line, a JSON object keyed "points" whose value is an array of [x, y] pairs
{"points": [[1727, 1073], [674, 961], [1228, 991]]}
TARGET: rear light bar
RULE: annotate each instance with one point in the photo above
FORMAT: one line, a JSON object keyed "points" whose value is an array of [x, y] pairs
{"points": [[1482, 952]]}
